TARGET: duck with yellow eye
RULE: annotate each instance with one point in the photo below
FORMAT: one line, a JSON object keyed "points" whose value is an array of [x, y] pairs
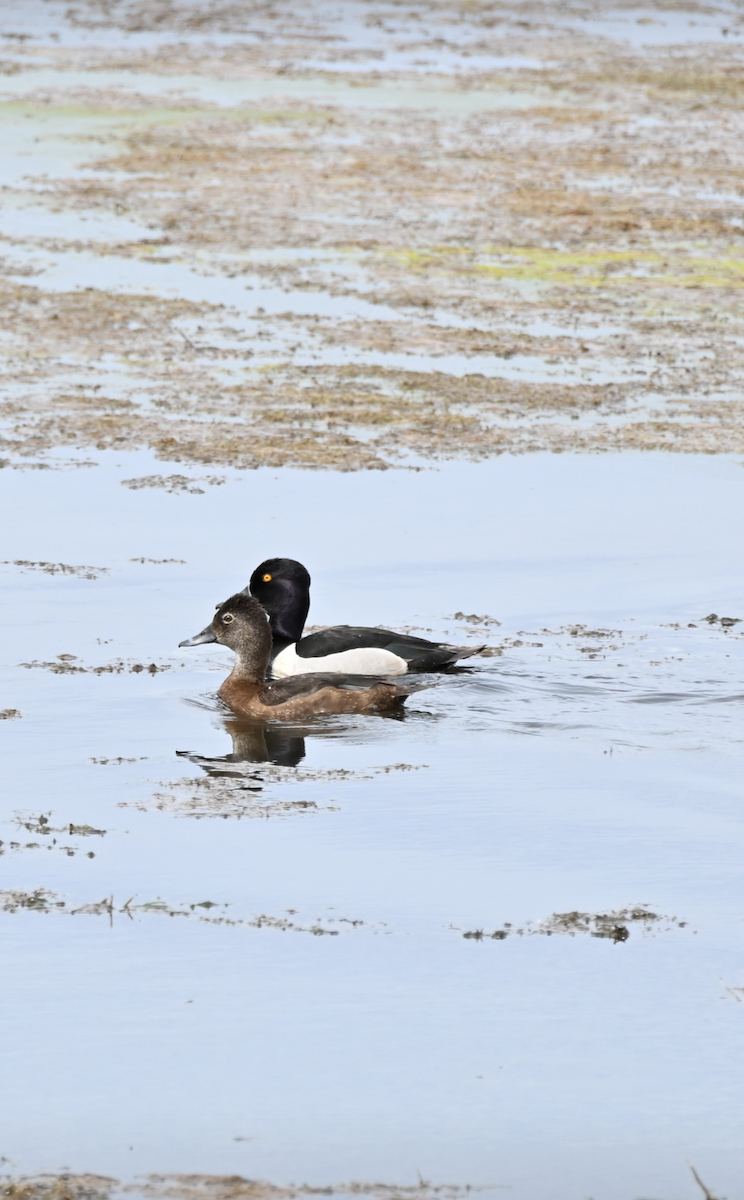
{"points": [[243, 625], [283, 587]]}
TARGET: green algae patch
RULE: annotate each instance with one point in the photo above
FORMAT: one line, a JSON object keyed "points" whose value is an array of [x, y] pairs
{"points": [[585, 268], [593, 269]]}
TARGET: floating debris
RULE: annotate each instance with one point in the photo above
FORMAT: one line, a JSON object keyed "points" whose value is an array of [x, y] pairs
{"points": [[117, 762], [44, 901], [66, 664], [240, 790], [724, 622], [615, 926], [473, 619], [217, 1187], [172, 484], [49, 568]]}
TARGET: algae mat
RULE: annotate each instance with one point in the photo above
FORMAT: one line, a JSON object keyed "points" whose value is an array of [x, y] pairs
{"points": [[365, 236]]}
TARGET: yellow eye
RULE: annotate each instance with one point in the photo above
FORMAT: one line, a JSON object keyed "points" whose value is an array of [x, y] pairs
{"points": [[267, 578]]}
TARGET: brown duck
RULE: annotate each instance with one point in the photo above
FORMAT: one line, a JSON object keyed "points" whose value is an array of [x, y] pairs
{"points": [[243, 625]]}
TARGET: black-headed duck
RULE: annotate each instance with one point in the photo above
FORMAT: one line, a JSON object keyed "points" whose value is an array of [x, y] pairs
{"points": [[243, 625], [283, 587]]}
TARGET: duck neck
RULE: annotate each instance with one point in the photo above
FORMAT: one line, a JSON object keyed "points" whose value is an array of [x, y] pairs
{"points": [[251, 659], [288, 616]]}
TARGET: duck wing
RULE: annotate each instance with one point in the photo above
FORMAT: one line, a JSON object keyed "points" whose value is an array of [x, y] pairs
{"points": [[307, 684], [420, 654]]}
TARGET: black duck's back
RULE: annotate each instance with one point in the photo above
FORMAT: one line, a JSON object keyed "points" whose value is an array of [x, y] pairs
{"points": [[418, 653]]}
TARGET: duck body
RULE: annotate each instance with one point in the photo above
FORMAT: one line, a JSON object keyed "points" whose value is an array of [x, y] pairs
{"points": [[283, 587], [311, 694], [342, 648], [243, 625]]}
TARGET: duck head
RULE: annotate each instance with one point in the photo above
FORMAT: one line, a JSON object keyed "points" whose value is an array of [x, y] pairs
{"points": [[283, 587], [241, 624]]}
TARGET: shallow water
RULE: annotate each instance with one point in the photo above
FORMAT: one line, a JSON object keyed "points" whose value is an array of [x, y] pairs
{"points": [[585, 769], [230, 92], [639, 27]]}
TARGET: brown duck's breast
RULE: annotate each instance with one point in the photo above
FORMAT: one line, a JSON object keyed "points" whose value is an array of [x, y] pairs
{"points": [[241, 695]]}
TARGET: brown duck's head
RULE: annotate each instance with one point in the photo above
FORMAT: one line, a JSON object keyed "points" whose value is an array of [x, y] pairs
{"points": [[242, 624]]}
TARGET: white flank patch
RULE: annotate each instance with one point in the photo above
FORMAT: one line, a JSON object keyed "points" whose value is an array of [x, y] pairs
{"points": [[366, 661]]}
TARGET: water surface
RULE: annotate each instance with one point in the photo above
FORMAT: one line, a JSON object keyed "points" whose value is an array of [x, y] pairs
{"points": [[328, 1009]]}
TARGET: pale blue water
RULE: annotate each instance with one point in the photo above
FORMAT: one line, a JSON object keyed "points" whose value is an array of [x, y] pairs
{"points": [[560, 1066]]}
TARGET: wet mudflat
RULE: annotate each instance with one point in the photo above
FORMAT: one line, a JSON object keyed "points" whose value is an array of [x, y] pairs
{"points": [[368, 235], [497, 942]]}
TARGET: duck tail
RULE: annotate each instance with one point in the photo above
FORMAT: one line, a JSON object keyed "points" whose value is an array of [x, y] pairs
{"points": [[469, 651], [441, 657]]}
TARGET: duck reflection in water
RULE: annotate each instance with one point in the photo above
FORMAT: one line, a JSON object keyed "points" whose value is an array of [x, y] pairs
{"points": [[256, 742], [278, 743]]}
